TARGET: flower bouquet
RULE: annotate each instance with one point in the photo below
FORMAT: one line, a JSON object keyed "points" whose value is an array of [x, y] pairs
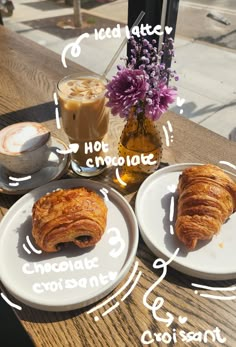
{"points": [[140, 93]]}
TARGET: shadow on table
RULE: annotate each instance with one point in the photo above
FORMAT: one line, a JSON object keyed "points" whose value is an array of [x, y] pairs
{"points": [[39, 113], [191, 110], [32, 315], [11, 331], [8, 200]]}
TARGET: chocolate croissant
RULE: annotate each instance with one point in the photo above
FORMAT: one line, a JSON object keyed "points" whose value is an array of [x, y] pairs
{"points": [[207, 198], [68, 215]]}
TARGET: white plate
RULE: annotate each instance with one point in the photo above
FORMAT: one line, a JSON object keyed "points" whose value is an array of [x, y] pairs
{"points": [[55, 168], [213, 260], [31, 289]]}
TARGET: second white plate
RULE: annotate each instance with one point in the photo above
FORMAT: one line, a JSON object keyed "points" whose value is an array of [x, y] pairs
{"points": [[214, 260]]}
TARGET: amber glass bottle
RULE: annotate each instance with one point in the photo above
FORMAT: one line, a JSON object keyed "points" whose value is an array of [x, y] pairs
{"points": [[140, 137]]}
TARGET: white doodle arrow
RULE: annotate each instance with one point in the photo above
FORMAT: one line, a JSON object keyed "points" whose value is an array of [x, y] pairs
{"points": [[73, 148]]}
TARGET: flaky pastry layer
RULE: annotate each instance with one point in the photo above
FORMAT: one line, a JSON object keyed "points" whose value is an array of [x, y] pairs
{"points": [[207, 198], [68, 215]]}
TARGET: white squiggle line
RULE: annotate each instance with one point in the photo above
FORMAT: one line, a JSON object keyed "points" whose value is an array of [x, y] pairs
{"points": [[215, 297], [125, 296], [111, 309], [104, 192], [57, 118], [133, 286], [168, 261], [26, 249], [172, 230], [119, 179], [159, 267], [31, 246], [55, 98], [75, 48], [14, 184], [170, 126], [213, 288], [114, 240], [166, 136], [172, 208], [61, 151], [119, 291], [158, 302], [20, 179], [227, 163], [10, 303]]}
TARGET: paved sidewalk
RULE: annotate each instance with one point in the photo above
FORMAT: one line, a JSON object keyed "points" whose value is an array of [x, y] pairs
{"points": [[206, 71]]}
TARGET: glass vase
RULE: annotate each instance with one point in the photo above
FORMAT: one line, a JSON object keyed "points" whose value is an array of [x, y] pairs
{"points": [[140, 138]]}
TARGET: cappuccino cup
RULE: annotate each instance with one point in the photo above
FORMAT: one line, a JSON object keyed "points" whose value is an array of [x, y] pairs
{"points": [[24, 147]]}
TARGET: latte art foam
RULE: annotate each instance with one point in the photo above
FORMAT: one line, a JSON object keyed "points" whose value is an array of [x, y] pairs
{"points": [[23, 137]]}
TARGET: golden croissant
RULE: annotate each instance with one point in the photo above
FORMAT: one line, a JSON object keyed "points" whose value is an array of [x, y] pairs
{"points": [[207, 198], [68, 215]]}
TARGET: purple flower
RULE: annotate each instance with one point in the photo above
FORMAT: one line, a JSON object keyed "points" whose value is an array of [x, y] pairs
{"points": [[143, 83], [125, 90], [167, 96], [162, 97]]}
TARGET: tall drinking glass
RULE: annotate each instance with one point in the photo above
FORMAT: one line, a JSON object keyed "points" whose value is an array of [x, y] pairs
{"points": [[85, 118]]}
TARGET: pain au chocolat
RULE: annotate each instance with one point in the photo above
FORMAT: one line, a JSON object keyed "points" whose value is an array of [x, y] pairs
{"points": [[207, 198], [68, 215]]}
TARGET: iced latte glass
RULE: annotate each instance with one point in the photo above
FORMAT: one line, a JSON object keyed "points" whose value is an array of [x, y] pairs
{"points": [[84, 117]]}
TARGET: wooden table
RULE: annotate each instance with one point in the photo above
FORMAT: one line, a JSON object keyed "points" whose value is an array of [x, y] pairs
{"points": [[29, 73]]}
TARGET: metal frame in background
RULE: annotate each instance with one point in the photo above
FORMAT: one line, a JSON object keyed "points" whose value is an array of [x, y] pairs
{"points": [[163, 12], [1, 21]]}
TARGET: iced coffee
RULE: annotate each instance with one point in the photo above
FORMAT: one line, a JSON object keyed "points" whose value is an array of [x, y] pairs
{"points": [[84, 116]]}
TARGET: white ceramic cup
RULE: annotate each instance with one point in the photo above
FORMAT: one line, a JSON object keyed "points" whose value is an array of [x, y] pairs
{"points": [[24, 147]]}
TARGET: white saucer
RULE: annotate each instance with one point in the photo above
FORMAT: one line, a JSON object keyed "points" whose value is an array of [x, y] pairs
{"points": [[55, 168]]}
